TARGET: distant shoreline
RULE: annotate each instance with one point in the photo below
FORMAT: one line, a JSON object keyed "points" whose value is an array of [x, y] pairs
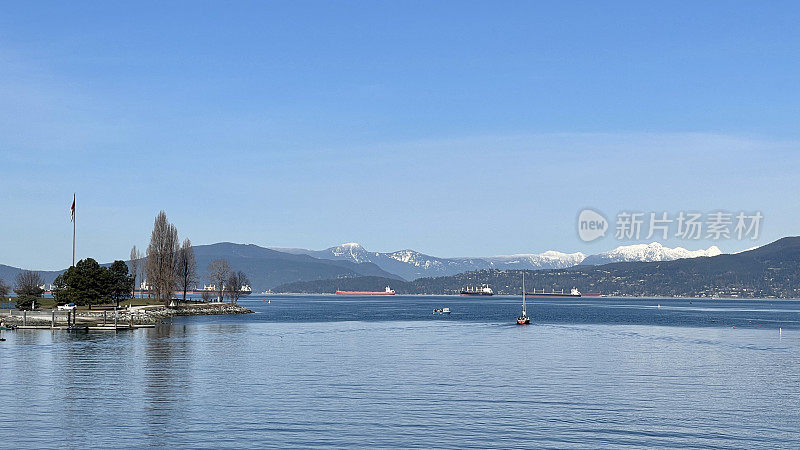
{"points": [[627, 297]]}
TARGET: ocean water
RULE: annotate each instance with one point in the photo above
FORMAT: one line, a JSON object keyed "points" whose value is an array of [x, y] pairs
{"points": [[318, 371]]}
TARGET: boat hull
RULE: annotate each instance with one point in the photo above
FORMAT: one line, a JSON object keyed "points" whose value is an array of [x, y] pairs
{"points": [[476, 294], [363, 293], [523, 321], [553, 294]]}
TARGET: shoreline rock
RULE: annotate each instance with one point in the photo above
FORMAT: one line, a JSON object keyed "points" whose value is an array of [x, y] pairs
{"points": [[141, 316]]}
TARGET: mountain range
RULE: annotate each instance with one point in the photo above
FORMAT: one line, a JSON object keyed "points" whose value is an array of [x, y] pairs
{"points": [[267, 268], [270, 267], [264, 267], [411, 264], [770, 271]]}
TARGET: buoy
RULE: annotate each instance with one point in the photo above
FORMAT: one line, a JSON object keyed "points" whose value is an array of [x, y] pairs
{"points": [[780, 331]]}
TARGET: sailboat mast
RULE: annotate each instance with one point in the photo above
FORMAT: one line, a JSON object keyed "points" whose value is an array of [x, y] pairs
{"points": [[523, 295]]}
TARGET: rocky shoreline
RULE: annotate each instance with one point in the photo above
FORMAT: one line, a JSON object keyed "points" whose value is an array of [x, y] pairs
{"points": [[138, 315]]}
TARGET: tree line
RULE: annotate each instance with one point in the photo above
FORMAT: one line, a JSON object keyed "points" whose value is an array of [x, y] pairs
{"points": [[168, 266]]}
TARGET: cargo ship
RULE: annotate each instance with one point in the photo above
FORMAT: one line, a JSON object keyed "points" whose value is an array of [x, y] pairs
{"points": [[387, 291], [483, 291], [572, 293]]}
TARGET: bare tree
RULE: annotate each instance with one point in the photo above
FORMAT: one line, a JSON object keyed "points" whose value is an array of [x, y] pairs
{"points": [[135, 265], [187, 275], [4, 289], [29, 283], [218, 273], [236, 281], [28, 289], [160, 263], [206, 295]]}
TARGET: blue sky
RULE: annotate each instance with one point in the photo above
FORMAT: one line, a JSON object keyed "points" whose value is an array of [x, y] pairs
{"points": [[453, 128]]}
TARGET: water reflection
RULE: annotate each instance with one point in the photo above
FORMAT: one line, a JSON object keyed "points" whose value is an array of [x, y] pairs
{"points": [[245, 381], [167, 381]]}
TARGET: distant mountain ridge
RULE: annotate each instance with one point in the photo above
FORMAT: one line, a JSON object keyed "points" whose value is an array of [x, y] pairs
{"points": [[8, 274], [411, 264], [267, 268], [770, 271], [264, 267], [647, 253], [270, 267]]}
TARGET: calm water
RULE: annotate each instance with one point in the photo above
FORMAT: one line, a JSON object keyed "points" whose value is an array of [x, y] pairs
{"points": [[386, 372]]}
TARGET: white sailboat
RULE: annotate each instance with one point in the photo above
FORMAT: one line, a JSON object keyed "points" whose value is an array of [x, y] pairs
{"points": [[523, 319]]}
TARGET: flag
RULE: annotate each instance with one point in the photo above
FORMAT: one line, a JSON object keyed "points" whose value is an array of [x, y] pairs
{"points": [[72, 209]]}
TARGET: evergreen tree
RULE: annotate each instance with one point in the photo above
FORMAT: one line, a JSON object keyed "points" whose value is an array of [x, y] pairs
{"points": [[85, 284], [119, 281]]}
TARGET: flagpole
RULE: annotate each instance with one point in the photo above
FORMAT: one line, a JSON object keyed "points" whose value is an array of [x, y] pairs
{"points": [[73, 230]]}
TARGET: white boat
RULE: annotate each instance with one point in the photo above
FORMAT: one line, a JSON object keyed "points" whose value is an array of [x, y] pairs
{"points": [[523, 319]]}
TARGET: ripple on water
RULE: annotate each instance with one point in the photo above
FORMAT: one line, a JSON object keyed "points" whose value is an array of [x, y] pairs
{"points": [[265, 380]]}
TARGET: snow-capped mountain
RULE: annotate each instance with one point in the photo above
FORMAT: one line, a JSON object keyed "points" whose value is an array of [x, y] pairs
{"points": [[550, 259], [408, 264], [351, 251], [411, 264], [653, 251]]}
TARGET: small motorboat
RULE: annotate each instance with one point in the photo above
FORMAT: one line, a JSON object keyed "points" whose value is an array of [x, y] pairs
{"points": [[441, 311]]}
